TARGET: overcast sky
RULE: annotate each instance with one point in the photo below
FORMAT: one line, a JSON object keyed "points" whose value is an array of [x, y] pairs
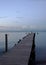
{"points": [[23, 14]]}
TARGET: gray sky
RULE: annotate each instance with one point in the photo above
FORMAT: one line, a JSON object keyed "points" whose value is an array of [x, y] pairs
{"points": [[23, 14]]}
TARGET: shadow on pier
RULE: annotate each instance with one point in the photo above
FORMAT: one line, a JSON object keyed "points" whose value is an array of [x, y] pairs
{"points": [[32, 54]]}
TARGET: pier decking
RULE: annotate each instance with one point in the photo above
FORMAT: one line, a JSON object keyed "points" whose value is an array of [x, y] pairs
{"points": [[20, 53]]}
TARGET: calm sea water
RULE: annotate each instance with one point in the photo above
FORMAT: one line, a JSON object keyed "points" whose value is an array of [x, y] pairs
{"points": [[40, 43], [13, 38]]}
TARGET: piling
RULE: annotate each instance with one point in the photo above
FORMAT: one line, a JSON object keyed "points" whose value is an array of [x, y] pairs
{"points": [[6, 43]]}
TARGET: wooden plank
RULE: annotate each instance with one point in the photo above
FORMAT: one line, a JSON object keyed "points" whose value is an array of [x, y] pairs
{"points": [[20, 53]]}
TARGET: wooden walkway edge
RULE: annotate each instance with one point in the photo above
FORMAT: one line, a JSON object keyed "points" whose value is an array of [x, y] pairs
{"points": [[21, 54]]}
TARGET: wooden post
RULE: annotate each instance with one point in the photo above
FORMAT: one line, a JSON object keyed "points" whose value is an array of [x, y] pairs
{"points": [[6, 43]]}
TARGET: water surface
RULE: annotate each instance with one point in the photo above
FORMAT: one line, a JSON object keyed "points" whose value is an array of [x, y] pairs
{"points": [[13, 38], [40, 43]]}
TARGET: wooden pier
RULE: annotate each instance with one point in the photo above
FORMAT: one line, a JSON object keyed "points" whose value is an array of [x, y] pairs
{"points": [[22, 53]]}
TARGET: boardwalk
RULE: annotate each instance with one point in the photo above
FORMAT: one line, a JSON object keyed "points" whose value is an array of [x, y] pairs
{"points": [[20, 53]]}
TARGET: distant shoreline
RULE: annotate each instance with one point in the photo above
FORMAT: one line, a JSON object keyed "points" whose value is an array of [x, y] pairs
{"points": [[23, 31]]}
